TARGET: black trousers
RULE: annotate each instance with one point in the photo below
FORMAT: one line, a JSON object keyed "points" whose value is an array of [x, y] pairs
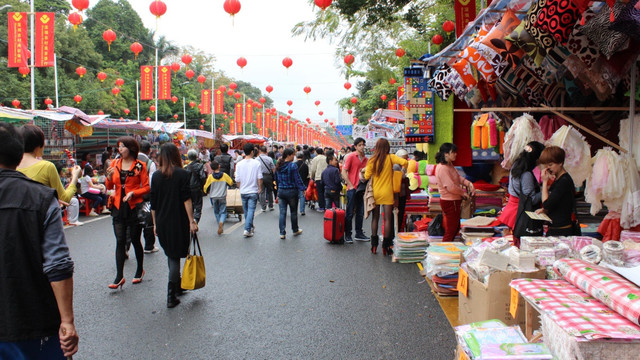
{"points": [[120, 228]]}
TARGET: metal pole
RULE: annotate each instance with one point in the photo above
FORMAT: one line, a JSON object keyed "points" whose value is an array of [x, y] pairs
{"points": [[244, 113], [632, 106], [32, 60], [156, 85], [213, 106], [55, 75], [184, 112], [138, 99]]}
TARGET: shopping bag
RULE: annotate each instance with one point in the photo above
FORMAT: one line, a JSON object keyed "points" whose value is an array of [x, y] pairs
{"points": [[193, 274]]}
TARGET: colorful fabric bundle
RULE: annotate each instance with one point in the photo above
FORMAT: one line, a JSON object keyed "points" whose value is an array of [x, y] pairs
{"points": [[607, 181], [578, 152], [523, 130]]}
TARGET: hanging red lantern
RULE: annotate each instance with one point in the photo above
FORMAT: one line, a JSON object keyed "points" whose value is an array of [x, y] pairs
{"points": [[229, 92], [290, 111], [233, 86], [81, 71], [15, 103], [262, 100], [152, 108], [158, 8], [400, 52], [349, 111], [347, 85], [326, 121], [77, 99], [126, 111], [232, 7], [242, 62], [308, 120], [119, 82], [307, 89], [392, 81], [269, 89], [201, 79], [100, 112], [148, 119], [136, 48], [320, 113], [109, 36], [186, 59], [48, 101], [201, 127], [174, 99], [354, 100], [287, 62], [323, 4], [349, 60], [175, 67], [24, 70], [222, 88], [448, 26], [75, 19], [317, 103], [192, 104], [80, 4], [237, 95], [175, 116], [289, 102], [202, 121], [101, 76], [331, 123], [190, 74], [383, 97], [355, 119], [437, 39], [115, 91], [250, 101]]}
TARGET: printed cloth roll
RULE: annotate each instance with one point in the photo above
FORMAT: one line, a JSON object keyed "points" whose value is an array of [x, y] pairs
{"points": [[611, 289]]}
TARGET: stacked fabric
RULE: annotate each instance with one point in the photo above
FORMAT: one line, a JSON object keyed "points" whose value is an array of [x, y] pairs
{"points": [[410, 247], [442, 264]]}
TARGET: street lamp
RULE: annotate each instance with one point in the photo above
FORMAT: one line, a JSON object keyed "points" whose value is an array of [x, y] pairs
{"points": [[4, 7]]}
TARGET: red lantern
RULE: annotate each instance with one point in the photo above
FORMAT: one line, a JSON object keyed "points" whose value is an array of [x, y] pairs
{"points": [[109, 36], [174, 99], [250, 101], [347, 85], [119, 82], [126, 111], [24, 70], [307, 90], [349, 111], [15, 103], [320, 113], [229, 92], [355, 119], [75, 19], [136, 48], [158, 8], [448, 26], [201, 127], [175, 67], [237, 95], [201, 79], [262, 100], [400, 52], [392, 81], [349, 60], [437, 39], [290, 111], [289, 102], [101, 76], [48, 101], [80, 4], [242, 62], [152, 108], [175, 116], [190, 74], [77, 99], [192, 104], [100, 112], [354, 100], [287, 62], [326, 121], [115, 91], [383, 97], [186, 59], [308, 120], [323, 4], [233, 86], [269, 89], [202, 121], [222, 88], [331, 123], [232, 7], [81, 71], [317, 103]]}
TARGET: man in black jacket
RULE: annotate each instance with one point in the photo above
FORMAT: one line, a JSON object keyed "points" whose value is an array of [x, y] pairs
{"points": [[225, 160], [36, 271], [196, 184]]}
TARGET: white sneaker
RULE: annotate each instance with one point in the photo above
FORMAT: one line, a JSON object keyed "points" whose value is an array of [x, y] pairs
{"points": [[283, 237], [247, 234], [93, 213], [297, 232], [77, 223], [105, 211]]}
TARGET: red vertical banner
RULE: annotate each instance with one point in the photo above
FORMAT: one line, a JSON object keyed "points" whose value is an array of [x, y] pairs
{"points": [[18, 52], [400, 94], [218, 101], [465, 11], [249, 113], [164, 83], [232, 125], [299, 138], [280, 128], [44, 44], [205, 101], [393, 105], [267, 123], [259, 123], [146, 82], [239, 118]]}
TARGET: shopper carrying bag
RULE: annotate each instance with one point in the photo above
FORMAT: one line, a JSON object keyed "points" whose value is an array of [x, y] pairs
{"points": [[194, 274]]}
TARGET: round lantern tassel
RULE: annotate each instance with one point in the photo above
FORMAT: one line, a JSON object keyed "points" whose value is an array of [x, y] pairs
{"points": [[611, 16]]}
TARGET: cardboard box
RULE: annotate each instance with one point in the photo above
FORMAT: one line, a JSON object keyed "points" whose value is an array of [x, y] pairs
{"points": [[485, 302]]}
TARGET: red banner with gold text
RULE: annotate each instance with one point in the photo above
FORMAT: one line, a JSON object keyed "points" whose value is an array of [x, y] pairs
{"points": [[205, 100], [465, 11], [232, 125], [249, 113], [18, 51], [146, 82], [267, 123], [238, 118], [164, 83], [259, 123], [218, 101], [44, 44]]}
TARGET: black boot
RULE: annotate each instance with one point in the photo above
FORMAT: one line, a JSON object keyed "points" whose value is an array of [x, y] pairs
{"points": [[387, 244], [172, 300], [374, 244]]}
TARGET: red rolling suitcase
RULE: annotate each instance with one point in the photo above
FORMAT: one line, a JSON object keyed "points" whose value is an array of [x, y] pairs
{"points": [[334, 225]]}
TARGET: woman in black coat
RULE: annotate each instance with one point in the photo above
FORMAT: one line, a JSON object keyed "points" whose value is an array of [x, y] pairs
{"points": [[172, 213]]}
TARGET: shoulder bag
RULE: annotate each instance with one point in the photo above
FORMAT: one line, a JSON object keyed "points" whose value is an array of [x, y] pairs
{"points": [[193, 273]]}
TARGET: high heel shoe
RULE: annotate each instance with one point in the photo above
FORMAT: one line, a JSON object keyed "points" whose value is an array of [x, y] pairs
{"points": [[138, 280], [114, 286]]}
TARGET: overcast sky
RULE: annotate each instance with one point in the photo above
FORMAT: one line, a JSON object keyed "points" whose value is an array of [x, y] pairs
{"points": [[261, 33]]}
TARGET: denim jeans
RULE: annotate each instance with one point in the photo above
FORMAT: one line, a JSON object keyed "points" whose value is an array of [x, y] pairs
{"points": [[220, 209], [302, 200], [355, 206], [249, 202], [42, 348], [288, 197]]}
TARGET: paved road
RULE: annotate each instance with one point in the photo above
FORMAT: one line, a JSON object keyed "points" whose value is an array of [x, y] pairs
{"points": [[265, 298]]}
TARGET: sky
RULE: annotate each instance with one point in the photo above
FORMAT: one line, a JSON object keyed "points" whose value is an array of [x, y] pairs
{"points": [[261, 33]]}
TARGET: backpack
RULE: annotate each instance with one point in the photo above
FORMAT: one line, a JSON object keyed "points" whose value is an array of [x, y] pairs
{"points": [[198, 176]]}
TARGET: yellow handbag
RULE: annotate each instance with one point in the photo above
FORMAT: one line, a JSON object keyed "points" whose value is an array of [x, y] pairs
{"points": [[193, 273]]}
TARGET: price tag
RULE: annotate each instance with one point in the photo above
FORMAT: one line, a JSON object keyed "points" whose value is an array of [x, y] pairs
{"points": [[513, 307], [463, 281]]}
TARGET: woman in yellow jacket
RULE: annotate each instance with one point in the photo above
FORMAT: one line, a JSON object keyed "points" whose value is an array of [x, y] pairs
{"points": [[380, 170]]}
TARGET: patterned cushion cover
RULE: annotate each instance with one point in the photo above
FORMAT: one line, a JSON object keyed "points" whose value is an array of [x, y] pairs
{"points": [[628, 22], [494, 46], [457, 85], [465, 72], [438, 83], [557, 17], [597, 29], [522, 39], [543, 38], [579, 44]]}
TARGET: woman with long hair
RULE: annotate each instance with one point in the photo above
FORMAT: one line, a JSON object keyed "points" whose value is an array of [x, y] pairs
{"points": [[522, 182], [380, 170], [558, 200], [289, 187], [129, 177], [94, 192], [172, 213], [451, 192]]}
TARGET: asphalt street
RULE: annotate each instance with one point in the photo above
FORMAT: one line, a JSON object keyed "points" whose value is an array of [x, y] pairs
{"points": [[265, 298]]}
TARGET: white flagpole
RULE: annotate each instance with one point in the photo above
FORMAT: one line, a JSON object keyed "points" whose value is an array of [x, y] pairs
{"points": [[184, 112], [55, 75], [156, 68], [213, 106], [138, 99], [31, 65], [244, 113]]}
